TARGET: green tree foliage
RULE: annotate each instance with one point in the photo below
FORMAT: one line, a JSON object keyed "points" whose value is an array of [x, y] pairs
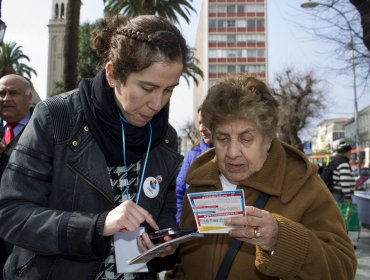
{"points": [[165, 8], [300, 99], [172, 10], [12, 61], [88, 60]]}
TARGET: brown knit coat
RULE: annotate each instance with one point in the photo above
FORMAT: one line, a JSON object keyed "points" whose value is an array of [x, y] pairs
{"points": [[312, 241]]}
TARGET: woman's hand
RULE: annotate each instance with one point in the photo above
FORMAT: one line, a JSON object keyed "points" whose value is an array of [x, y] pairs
{"points": [[127, 217], [144, 243], [259, 227]]}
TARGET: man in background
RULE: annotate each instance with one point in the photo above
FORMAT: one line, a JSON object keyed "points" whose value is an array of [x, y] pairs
{"points": [[343, 179], [15, 112]]}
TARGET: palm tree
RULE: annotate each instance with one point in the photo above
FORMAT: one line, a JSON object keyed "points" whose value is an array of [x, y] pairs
{"points": [[171, 10], [71, 44], [11, 61], [165, 8]]}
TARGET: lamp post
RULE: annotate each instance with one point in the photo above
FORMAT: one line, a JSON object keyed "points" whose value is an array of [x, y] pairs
{"points": [[312, 4]]}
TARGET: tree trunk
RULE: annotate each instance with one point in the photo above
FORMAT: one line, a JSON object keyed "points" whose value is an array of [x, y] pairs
{"points": [[71, 44]]}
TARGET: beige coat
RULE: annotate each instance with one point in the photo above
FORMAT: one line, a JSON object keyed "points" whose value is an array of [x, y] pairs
{"points": [[312, 241]]}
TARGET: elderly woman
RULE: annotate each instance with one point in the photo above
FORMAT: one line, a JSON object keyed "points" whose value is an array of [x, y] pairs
{"points": [[299, 234]]}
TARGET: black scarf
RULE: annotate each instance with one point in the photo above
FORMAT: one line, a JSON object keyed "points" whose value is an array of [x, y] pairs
{"points": [[102, 116]]}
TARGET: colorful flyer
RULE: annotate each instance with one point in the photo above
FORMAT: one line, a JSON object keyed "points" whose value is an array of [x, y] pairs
{"points": [[212, 209]]}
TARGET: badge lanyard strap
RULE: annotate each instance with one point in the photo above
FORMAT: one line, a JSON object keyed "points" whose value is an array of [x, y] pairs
{"points": [[123, 120]]}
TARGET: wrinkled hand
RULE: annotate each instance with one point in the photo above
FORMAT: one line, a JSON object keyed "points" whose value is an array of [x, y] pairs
{"points": [[144, 243], [126, 218], [259, 227]]}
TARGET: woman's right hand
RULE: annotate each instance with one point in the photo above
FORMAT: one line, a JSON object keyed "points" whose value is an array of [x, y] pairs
{"points": [[127, 217]]}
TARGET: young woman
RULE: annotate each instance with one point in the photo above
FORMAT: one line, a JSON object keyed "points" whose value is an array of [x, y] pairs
{"points": [[82, 169]]}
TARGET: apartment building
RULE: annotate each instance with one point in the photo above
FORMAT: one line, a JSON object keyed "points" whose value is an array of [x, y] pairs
{"points": [[231, 38]]}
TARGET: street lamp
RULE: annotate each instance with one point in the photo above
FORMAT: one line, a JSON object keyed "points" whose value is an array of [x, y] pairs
{"points": [[312, 4]]}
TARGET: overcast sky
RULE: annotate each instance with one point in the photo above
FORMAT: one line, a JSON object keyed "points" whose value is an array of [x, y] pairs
{"points": [[288, 46]]}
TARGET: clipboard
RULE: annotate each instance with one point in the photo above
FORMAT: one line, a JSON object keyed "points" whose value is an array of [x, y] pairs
{"points": [[156, 250]]}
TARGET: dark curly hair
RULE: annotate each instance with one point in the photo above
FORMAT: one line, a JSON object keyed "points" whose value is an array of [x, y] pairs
{"points": [[134, 44]]}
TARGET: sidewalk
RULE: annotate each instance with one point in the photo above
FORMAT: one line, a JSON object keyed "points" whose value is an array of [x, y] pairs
{"points": [[362, 253]]}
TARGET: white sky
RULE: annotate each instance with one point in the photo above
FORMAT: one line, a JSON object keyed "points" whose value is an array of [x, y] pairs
{"points": [[288, 46]]}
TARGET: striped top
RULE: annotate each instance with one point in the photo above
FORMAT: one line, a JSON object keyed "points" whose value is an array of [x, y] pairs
{"points": [[343, 179]]}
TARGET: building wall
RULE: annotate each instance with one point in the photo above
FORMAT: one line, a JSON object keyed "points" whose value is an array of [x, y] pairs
{"points": [[232, 38], [364, 129], [326, 132], [56, 29], [201, 53]]}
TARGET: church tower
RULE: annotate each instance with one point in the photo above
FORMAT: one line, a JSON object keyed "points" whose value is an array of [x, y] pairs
{"points": [[56, 29]]}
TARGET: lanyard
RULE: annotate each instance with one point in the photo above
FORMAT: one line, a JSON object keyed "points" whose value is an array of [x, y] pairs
{"points": [[123, 121]]}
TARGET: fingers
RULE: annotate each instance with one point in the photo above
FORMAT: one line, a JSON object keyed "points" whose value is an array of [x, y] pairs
{"points": [[258, 227], [126, 218], [148, 218]]}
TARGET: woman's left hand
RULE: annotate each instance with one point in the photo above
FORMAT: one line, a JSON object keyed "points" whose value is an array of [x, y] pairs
{"points": [[145, 244], [258, 227]]}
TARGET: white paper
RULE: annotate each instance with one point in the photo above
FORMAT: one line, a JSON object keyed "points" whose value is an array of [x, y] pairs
{"points": [[125, 247]]}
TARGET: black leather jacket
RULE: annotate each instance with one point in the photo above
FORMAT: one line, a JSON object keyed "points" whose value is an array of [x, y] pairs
{"points": [[55, 188]]}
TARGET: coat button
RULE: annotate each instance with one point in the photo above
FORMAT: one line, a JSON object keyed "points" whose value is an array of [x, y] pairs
{"points": [[86, 128], [166, 141], [74, 143]]}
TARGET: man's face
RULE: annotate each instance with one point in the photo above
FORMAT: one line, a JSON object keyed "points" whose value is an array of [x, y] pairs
{"points": [[15, 100]]}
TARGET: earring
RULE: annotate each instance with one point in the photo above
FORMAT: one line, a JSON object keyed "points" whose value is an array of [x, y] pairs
{"points": [[112, 85]]}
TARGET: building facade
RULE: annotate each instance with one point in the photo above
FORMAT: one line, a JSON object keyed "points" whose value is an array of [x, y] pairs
{"points": [[231, 38], [56, 28], [327, 132], [364, 129]]}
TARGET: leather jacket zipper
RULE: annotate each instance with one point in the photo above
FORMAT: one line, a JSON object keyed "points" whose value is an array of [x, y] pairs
{"points": [[93, 185], [24, 267]]}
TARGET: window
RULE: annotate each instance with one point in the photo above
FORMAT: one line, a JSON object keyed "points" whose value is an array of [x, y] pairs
{"points": [[251, 53], [231, 8], [212, 69], [241, 23], [260, 8], [231, 23], [251, 23], [231, 69], [231, 38], [261, 53], [212, 53], [222, 8], [240, 8], [212, 23], [231, 53], [62, 11], [212, 9], [222, 23]]}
